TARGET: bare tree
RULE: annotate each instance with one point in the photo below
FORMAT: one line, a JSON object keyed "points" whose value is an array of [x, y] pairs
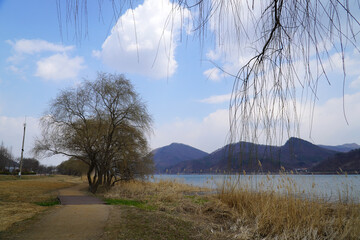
{"points": [[290, 41], [93, 123], [6, 159]]}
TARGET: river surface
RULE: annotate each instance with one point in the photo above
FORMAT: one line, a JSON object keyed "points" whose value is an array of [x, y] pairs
{"points": [[344, 188]]}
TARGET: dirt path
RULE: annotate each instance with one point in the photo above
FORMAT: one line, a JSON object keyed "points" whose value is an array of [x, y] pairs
{"points": [[83, 221]]}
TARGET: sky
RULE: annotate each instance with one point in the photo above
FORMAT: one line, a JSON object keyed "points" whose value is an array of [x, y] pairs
{"points": [[174, 73]]}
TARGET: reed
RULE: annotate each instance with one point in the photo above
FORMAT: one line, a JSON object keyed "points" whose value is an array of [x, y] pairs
{"points": [[280, 211], [271, 208]]}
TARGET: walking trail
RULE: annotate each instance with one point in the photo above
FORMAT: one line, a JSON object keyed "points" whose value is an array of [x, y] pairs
{"points": [[80, 217]]}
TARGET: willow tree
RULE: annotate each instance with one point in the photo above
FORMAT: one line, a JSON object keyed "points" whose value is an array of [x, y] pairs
{"points": [[287, 44], [96, 123]]}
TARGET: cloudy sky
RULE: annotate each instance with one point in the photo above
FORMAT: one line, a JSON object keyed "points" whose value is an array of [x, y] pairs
{"points": [[188, 97]]}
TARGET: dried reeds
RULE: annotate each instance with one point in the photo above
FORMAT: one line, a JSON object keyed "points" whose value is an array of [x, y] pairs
{"points": [[276, 210]]}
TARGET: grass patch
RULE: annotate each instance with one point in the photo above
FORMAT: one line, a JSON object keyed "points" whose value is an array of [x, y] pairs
{"points": [[135, 203], [136, 224], [23, 177], [197, 199], [48, 203]]}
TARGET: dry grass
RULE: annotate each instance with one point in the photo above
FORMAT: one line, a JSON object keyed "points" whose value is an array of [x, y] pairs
{"points": [[164, 195], [240, 213], [287, 216], [18, 197]]}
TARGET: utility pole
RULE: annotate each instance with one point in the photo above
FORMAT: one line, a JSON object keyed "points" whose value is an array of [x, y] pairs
{"points": [[22, 150]]}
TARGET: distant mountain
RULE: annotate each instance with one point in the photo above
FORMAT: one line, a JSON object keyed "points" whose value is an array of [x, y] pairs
{"points": [[174, 153], [347, 162], [298, 153], [295, 154], [342, 148]]}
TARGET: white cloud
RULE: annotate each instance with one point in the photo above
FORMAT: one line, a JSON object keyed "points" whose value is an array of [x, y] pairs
{"points": [[144, 40], [355, 83], [208, 134], [59, 67], [351, 61], [11, 134], [329, 124], [96, 53], [213, 55], [56, 66], [31, 46], [214, 74], [15, 69], [217, 99], [233, 48]]}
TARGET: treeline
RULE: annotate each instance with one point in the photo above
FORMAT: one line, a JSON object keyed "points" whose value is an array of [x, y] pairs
{"points": [[348, 162], [73, 167], [10, 165]]}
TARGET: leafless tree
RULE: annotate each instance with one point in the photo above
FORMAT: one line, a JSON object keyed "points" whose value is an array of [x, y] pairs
{"points": [[6, 159], [290, 41], [95, 123]]}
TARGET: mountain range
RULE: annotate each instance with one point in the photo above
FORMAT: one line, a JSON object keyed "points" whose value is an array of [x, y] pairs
{"points": [[342, 148], [296, 154]]}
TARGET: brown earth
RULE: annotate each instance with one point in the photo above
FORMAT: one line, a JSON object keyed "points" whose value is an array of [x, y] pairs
{"points": [[77, 222]]}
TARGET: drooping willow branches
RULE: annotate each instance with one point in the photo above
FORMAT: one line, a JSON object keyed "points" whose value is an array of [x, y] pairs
{"points": [[283, 49]]}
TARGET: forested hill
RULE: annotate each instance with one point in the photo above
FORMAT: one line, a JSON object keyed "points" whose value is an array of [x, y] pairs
{"points": [[170, 155], [341, 162], [296, 154]]}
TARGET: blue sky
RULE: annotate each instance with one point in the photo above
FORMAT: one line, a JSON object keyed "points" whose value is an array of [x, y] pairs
{"points": [[187, 97]]}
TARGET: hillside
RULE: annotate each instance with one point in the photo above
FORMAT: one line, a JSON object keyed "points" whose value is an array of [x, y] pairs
{"points": [[342, 148], [347, 162], [295, 154], [298, 153], [174, 153]]}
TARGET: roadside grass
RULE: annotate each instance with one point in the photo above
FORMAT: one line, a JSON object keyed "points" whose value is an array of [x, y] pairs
{"points": [[23, 177], [21, 199], [50, 202], [136, 224], [240, 213]]}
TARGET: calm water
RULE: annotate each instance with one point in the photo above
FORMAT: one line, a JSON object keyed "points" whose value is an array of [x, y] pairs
{"points": [[328, 187]]}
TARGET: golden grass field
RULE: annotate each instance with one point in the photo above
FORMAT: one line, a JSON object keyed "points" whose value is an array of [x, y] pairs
{"points": [[18, 197], [238, 213]]}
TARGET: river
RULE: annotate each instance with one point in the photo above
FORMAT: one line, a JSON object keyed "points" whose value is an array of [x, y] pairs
{"points": [[344, 188]]}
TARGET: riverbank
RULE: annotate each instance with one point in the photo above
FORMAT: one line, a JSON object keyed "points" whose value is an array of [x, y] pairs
{"points": [[233, 213], [168, 209]]}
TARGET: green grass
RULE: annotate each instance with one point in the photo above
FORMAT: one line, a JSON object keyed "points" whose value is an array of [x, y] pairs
{"points": [[138, 204], [197, 199], [48, 203]]}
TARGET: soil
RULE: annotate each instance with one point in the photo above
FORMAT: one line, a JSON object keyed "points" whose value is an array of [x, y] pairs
{"points": [[79, 219]]}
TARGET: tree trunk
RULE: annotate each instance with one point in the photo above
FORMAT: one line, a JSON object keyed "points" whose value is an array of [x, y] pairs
{"points": [[93, 183]]}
